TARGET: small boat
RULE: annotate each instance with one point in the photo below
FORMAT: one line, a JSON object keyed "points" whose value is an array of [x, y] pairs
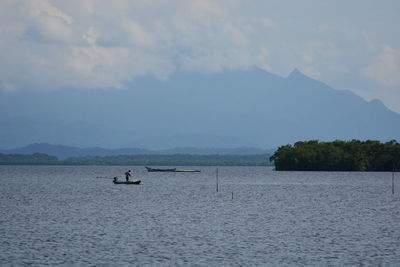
{"points": [[128, 182], [115, 181], [160, 170]]}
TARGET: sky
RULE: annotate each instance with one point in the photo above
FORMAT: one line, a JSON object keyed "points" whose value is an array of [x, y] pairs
{"points": [[104, 45]]}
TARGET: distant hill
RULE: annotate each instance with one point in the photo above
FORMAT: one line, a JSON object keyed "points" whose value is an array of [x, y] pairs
{"points": [[249, 108], [63, 152]]}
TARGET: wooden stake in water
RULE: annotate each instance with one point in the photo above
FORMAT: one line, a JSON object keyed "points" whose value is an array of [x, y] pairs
{"points": [[217, 179], [232, 194], [393, 182]]}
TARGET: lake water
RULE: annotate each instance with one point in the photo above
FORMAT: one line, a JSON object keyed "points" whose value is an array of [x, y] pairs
{"points": [[52, 215]]}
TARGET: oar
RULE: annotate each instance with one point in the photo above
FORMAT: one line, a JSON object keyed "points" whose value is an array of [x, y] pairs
{"points": [[104, 177]]}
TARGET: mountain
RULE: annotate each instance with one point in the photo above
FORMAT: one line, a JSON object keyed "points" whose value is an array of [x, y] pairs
{"points": [[63, 152], [246, 108]]}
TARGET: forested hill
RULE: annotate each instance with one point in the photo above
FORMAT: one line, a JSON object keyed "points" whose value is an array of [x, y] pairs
{"points": [[140, 160], [63, 152], [302, 156], [34, 159], [338, 156]]}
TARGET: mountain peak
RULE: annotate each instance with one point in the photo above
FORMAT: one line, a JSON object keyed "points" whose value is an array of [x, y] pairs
{"points": [[376, 102], [227, 109], [296, 74]]}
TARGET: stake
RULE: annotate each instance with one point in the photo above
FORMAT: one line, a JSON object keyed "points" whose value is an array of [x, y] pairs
{"points": [[217, 179], [393, 182], [232, 194]]}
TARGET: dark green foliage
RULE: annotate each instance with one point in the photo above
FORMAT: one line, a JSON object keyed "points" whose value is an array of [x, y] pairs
{"points": [[354, 155]]}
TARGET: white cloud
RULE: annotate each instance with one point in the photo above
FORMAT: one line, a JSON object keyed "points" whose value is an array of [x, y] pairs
{"points": [[36, 8], [321, 28], [234, 35], [312, 71], [208, 61], [136, 34], [99, 44], [368, 41], [263, 58], [270, 24], [385, 68], [316, 50], [90, 37], [45, 28], [52, 44], [204, 10]]}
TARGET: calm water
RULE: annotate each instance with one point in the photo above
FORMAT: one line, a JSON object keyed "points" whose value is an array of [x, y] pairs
{"points": [[67, 216]]}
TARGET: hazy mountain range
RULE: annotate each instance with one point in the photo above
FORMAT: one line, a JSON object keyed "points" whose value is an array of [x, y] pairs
{"points": [[63, 152], [230, 109]]}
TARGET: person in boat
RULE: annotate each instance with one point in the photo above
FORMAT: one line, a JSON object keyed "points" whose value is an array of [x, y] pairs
{"points": [[128, 175], [115, 179]]}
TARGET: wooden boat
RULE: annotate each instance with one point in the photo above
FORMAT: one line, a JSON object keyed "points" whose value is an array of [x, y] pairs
{"points": [[160, 170], [169, 170], [128, 182]]}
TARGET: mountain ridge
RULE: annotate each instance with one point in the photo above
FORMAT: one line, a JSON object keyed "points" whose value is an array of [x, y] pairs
{"points": [[64, 152], [233, 108]]}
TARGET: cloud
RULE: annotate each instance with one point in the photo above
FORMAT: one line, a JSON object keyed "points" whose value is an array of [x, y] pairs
{"points": [[315, 50], [53, 44], [87, 44], [45, 28], [37, 8], [125, 32], [208, 61], [368, 41], [270, 24], [321, 28], [317, 58], [385, 68], [312, 71], [263, 58]]}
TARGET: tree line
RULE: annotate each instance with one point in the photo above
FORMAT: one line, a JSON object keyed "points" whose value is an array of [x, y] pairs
{"points": [[34, 159], [140, 160], [338, 155]]}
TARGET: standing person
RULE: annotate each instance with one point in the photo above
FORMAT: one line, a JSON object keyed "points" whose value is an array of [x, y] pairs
{"points": [[127, 175]]}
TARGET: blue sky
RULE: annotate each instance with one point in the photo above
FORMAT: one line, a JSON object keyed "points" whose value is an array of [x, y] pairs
{"points": [[55, 45]]}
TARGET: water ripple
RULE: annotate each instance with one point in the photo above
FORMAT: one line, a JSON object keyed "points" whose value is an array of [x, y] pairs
{"points": [[65, 216]]}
